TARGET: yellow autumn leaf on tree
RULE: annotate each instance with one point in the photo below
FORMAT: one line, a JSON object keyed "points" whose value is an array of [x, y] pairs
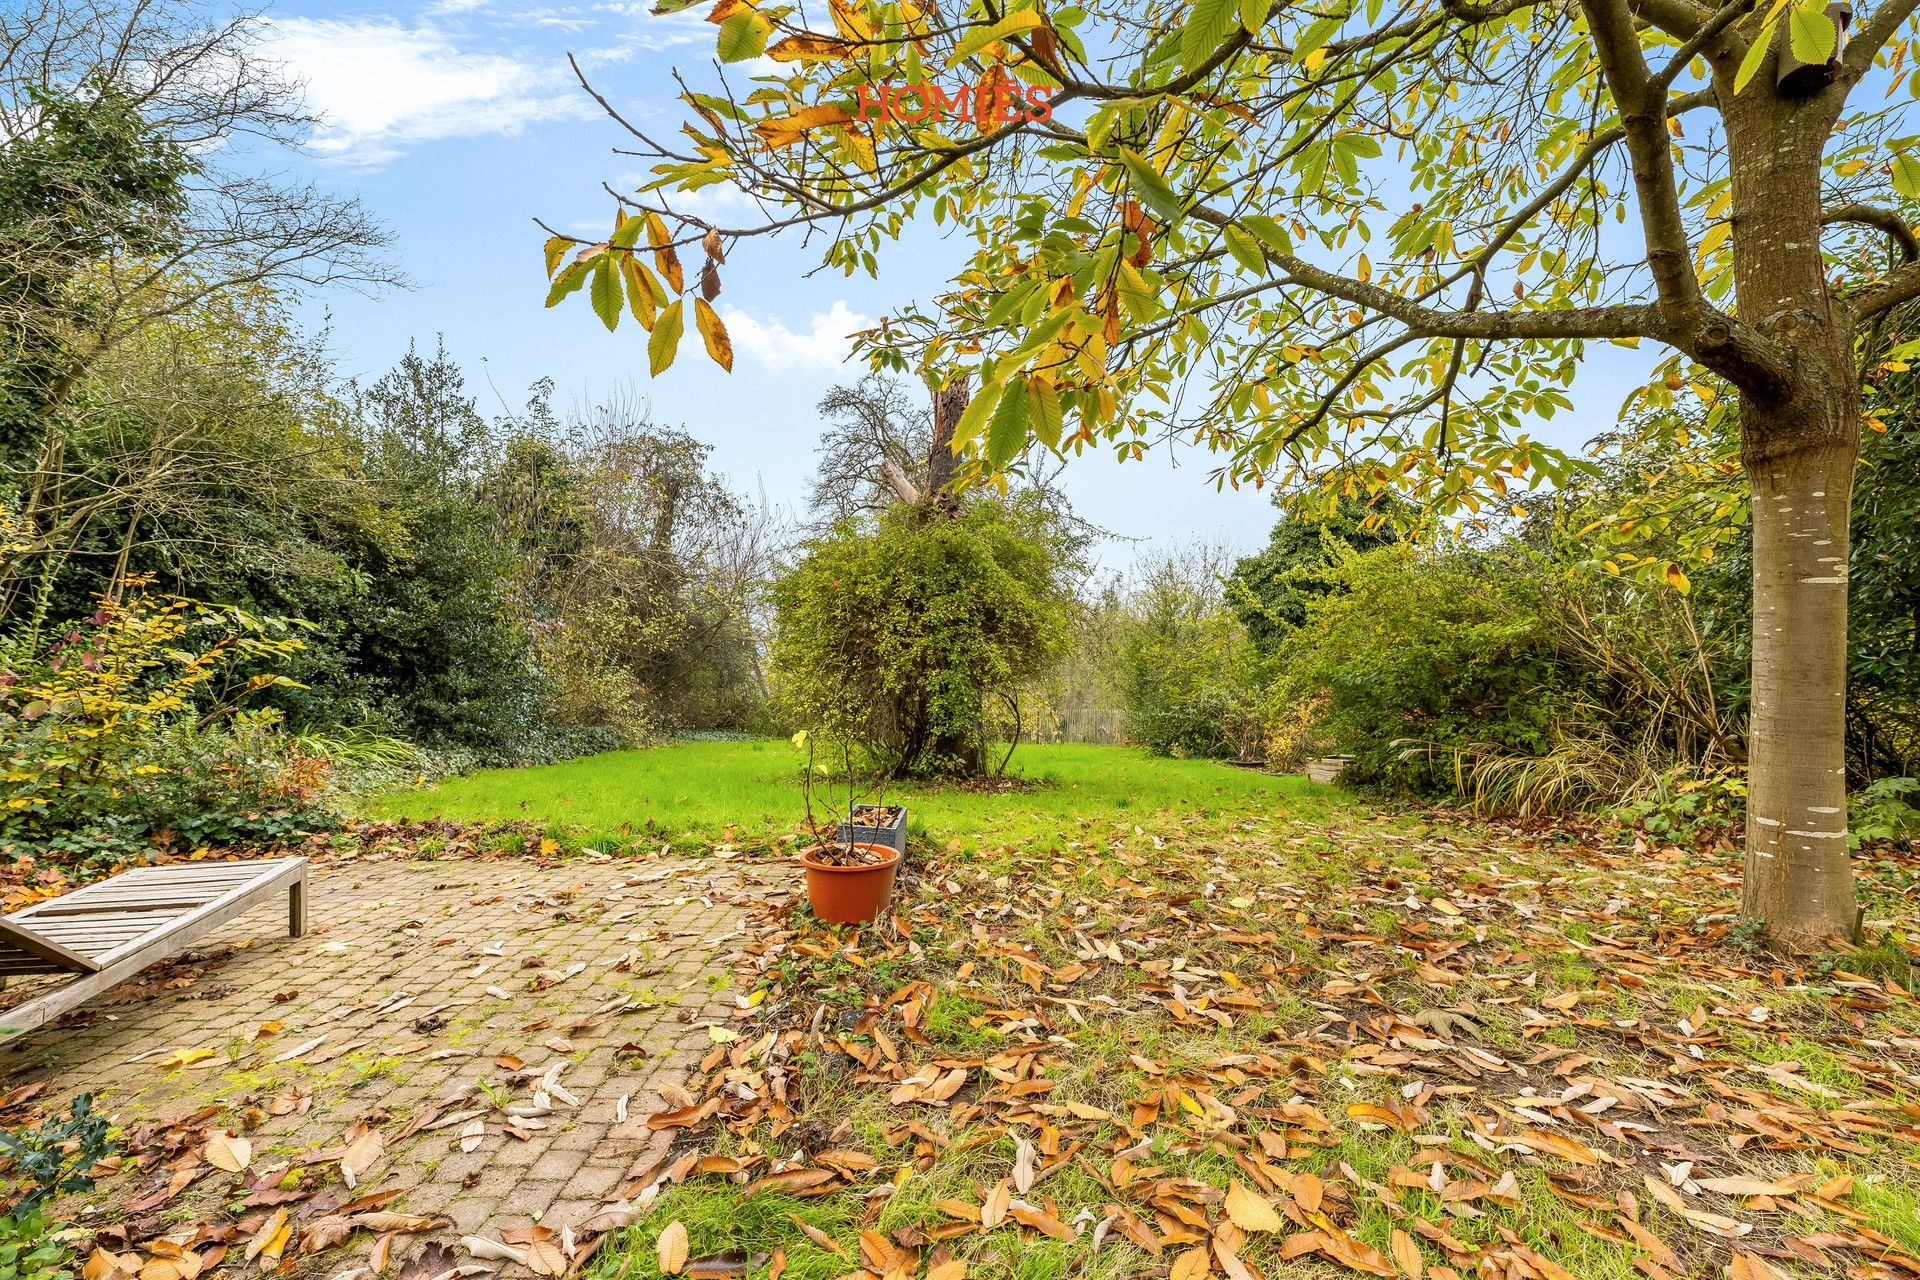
{"points": [[713, 333]]}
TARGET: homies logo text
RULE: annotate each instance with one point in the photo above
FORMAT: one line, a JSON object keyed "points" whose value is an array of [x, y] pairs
{"points": [[988, 103]]}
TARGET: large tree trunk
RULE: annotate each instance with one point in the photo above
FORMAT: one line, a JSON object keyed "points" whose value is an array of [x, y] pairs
{"points": [[948, 404], [1799, 876], [1799, 436]]}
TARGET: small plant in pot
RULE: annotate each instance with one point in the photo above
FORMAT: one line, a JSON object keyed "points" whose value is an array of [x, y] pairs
{"points": [[849, 880]]}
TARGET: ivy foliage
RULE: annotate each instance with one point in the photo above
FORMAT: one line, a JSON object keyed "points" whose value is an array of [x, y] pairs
{"points": [[52, 1160], [908, 638]]}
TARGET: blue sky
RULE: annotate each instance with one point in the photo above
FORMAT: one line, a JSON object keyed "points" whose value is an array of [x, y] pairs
{"points": [[458, 121]]}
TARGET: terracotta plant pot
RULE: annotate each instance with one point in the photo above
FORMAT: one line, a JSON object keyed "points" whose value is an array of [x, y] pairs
{"points": [[851, 895]]}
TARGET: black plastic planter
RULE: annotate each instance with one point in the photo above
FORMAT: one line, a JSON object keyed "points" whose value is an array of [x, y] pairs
{"points": [[893, 835]]}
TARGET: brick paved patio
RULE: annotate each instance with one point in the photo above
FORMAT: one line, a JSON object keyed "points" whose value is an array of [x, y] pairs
{"points": [[415, 981]]}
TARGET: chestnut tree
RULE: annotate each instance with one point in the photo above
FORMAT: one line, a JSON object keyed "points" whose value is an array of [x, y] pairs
{"points": [[1356, 245]]}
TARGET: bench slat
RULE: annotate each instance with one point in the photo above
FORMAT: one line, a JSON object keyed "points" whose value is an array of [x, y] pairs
{"points": [[107, 947]]}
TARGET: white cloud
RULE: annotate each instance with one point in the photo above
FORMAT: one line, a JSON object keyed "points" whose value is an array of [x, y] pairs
{"points": [[824, 346], [720, 202], [652, 31], [380, 87]]}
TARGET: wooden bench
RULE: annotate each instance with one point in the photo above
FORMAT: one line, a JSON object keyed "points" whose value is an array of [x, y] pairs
{"points": [[108, 932]]}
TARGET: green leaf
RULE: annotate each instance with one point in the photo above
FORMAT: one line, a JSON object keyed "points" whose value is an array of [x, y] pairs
{"points": [[556, 250], [718, 105], [1270, 232], [1316, 36], [1138, 294], [1043, 332], [1047, 417], [606, 292], [1254, 14], [1007, 433], [1208, 22], [627, 234], [743, 36], [1100, 126], [975, 418], [1906, 174], [1152, 188], [1756, 55], [980, 37], [568, 281], [1811, 32], [1358, 144], [1246, 250], [665, 342]]}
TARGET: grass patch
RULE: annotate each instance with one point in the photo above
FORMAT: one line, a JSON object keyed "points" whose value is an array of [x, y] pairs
{"points": [[749, 793], [719, 1221]]}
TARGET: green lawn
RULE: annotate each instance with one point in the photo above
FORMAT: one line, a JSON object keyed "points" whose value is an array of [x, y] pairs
{"points": [[749, 793]]}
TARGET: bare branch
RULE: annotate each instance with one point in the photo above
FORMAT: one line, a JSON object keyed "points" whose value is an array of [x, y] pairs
{"points": [[1865, 44], [1700, 42], [1642, 105], [1898, 286], [1886, 220], [1678, 18]]}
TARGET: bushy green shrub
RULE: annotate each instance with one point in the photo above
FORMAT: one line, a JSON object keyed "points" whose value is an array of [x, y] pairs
{"points": [[1190, 678], [1883, 589], [45, 1163], [910, 636], [1683, 802], [1271, 589], [1419, 651], [234, 783], [1885, 810]]}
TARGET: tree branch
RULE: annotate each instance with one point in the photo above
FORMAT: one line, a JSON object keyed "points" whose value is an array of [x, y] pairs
{"points": [[1621, 320], [1897, 286], [1643, 115], [1698, 42], [1886, 220], [1681, 19], [1873, 35]]}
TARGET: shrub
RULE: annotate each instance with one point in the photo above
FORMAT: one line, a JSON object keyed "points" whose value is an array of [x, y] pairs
{"points": [[47, 1163], [127, 730], [241, 782], [910, 636], [52, 1160], [1420, 651], [31, 1248], [1271, 589], [1885, 810], [1190, 678]]}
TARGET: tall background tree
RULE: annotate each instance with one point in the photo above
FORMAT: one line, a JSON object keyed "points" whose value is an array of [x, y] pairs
{"points": [[124, 199], [1361, 246]]}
